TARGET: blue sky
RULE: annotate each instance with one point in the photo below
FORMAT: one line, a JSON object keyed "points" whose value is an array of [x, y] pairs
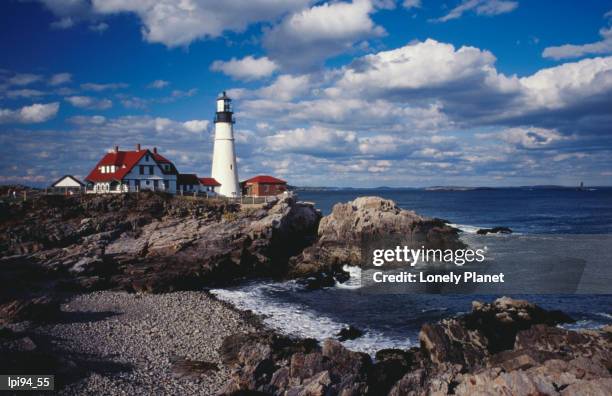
{"points": [[344, 93]]}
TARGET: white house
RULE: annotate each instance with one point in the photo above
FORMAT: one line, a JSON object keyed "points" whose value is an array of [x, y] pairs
{"points": [[68, 184], [129, 171]]}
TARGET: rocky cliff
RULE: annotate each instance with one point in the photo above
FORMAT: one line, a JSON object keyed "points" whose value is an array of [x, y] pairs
{"points": [[146, 242], [155, 243]]}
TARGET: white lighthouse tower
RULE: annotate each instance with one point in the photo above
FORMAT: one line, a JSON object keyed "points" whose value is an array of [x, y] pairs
{"points": [[224, 168]]}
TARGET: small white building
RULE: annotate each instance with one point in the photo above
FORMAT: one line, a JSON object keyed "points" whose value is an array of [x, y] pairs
{"points": [[130, 171], [189, 183], [209, 185], [68, 184]]}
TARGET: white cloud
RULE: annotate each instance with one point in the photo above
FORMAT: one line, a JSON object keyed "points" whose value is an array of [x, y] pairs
{"points": [[35, 113], [102, 87], [428, 64], [178, 23], [469, 88], [412, 4], [604, 46], [314, 141], [24, 79], [84, 120], [569, 83], [68, 11], [196, 126], [177, 93], [567, 156], [480, 7], [530, 138], [98, 27], [286, 87], [306, 38], [162, 124], [24, 93], [63, 23], [247, 68], [158, 84], [88, 102], [60, 78]]}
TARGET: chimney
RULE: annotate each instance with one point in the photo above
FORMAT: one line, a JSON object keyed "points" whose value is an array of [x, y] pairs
{"points": [[155, 150], [138, 147], [116, 149]]}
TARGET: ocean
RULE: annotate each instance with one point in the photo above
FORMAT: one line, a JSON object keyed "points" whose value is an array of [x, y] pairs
{"points": [[393, 320]]}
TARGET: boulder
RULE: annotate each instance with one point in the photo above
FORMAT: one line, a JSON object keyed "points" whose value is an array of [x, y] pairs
{"points": [[490, 328], [501, 320], [353, 227], [494, 230], [279, 365], [349, 333]]}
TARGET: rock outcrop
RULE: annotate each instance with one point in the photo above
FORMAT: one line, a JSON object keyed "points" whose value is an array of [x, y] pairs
{"points": [[494, 230], [148, 242], [506, 347], [154, 242], [349, 230]]}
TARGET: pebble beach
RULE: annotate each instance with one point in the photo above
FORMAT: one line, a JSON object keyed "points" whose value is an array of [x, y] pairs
{"points": [[131, 343]]}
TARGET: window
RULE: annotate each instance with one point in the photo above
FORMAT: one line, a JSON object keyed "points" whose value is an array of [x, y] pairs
{"points": [[151, 170], [155, 184], [147, 158], [147, 182], [141, 167]]}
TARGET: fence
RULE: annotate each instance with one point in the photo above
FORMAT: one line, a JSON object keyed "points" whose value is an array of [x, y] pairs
{"points": [[243, 200]]}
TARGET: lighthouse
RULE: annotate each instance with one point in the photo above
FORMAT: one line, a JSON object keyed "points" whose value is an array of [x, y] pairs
{"points": [[224, 168]]}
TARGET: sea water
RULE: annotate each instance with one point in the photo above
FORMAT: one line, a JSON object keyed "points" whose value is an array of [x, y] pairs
{"points": [[393, 320]]}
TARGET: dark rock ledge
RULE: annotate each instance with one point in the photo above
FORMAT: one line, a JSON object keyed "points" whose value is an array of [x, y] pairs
{"points": [[508, 347]]}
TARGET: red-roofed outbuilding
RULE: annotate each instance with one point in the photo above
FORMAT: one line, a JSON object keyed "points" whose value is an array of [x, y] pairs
{"points": [[263, 185]]}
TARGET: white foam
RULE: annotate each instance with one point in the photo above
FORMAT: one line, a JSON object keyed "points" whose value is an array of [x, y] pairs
{"points": [[582, 325], [296, 320], [354, 281], [466, 228]]}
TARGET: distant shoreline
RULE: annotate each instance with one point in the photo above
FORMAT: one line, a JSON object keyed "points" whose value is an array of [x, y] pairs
{"points": [[447, 188]]}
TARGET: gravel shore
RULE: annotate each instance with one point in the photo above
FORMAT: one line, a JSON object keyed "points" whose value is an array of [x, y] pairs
{"points": [[129, 342]]}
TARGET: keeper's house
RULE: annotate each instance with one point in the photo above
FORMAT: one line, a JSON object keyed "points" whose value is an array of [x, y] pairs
{"points": [[263, 185], [130, 171]]}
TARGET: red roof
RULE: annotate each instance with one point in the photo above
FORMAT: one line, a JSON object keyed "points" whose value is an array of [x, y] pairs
{"points": [[160, 158], [264, 179], [124, 161], [209, 181]]}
